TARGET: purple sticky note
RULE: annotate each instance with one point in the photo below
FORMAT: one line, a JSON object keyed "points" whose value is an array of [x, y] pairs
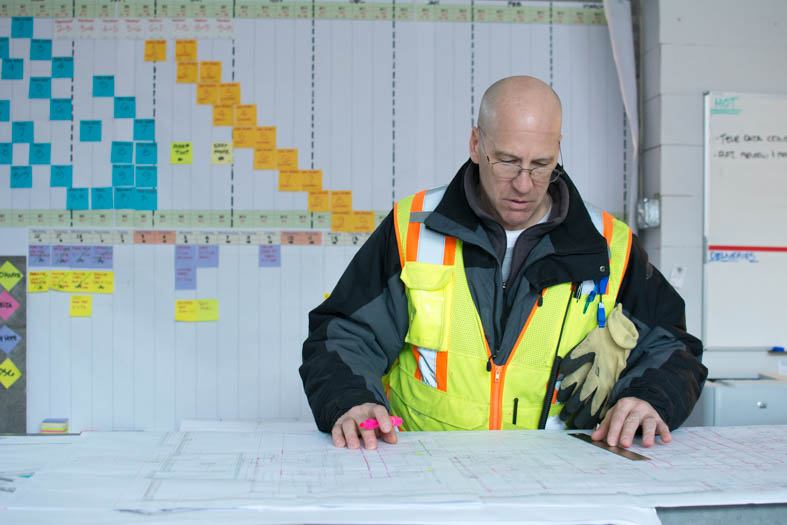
{"points": [[208, 256], [270, 255], [61, 256], [186, 278], [80, 256], [39, 255], [8, 339], [101, 257], [185, 256]]}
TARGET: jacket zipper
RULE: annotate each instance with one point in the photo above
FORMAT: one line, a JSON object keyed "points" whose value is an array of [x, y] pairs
{"points": [[494, 415]]}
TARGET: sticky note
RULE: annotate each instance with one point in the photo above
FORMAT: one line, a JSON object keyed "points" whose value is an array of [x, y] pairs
{"points": [[125, 198], [185, 50], [221, 153], [40, 87], [22, 27], [264, 159], [101, 282], [186, 311], [61, 256], [125, 107], [90, 131], [289, 180], [287, 159], [41, 153], [8, 305], [319, 201], [101, 256], [145, 129], [101, 198], [147, 153], [37, 281], [341, 221], [270, 256], [8, 339], [208, 256], [6, 153], [207, 310], [13, 69], [63, 67], [9, 275], [147, 177], [60, 109], [81, 306], [21, 177], [362, 221], [39, 255], [265, 138], [341, 201], [60, 176], [121, 152], [5, 110], [187, 73], [122, 175], [180, 153], [4, 50], [80, 258], [21, 132], [311, 180], [155, 51], [223, 115], [246, 115], [146, 199], [103, 85], [210, 72], [207, 94], [243, 137], [40, 49], [77, 199]]}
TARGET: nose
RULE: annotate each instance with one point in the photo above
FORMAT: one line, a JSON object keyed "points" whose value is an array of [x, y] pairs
{"points": [[523, 183]]}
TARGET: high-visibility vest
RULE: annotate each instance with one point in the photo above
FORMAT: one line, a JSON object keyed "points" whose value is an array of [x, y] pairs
{"points": [[444, 378]]}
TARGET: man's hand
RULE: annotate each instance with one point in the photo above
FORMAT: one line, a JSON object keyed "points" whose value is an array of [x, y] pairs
{"points": [[346, 429], [623, 420]]}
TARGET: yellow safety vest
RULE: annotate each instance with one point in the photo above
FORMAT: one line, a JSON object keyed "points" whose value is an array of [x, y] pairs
{"points": [[440, 379]]}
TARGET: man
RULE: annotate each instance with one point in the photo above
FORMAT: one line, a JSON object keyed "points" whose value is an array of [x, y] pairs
{"points": [[470, 304]]}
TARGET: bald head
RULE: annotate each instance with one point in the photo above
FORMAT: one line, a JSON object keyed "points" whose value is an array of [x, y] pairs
{"points": [[522, 102]]}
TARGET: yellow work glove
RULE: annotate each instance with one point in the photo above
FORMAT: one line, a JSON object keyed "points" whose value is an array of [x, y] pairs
{"points": [[592, 368]]}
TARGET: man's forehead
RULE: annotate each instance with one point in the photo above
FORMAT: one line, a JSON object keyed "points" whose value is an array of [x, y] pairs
{"points": [[514, 135]]}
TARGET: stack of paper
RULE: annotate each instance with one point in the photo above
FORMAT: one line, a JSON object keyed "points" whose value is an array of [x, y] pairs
{"points": [[54, 425]]}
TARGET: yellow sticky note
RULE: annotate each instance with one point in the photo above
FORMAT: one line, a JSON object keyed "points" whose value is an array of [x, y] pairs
{"points": [[185, 50], [155, 51], [207, 94], [210, 72], [362, 221], [243, 137], [37, 282], [341, 221], [319, 201], [221, 153], [58, 280], [287, 159], [186, 311], [81, 306], [264, 159], [266, 138], [223, 115], [229, 93], [78, 281], [187, 74], [289, 180], [341, 201], [101, 282], [246, 115], [311, 180], [208, 310], [180, 153]]}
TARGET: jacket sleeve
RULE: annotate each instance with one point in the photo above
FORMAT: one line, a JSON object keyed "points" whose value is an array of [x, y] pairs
{"points": [[356, 334], [665, 367]]}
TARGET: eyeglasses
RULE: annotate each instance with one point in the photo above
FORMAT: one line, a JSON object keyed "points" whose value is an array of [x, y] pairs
{"points": [[509, 170]]}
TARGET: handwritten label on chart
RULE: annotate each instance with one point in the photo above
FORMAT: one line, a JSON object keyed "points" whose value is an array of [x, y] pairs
{"points": [[270, 256], [81, 306], [732, 257], [181, 153], [221, 153]]}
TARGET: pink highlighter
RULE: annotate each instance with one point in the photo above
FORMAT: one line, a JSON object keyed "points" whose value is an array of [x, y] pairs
{"points": [[372, 423]]}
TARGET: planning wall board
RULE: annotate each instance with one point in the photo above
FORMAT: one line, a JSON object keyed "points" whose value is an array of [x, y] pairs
{"points": [[745, 218], [188, 180]]}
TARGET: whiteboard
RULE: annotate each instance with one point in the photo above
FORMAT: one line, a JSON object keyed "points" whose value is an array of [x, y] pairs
{"points": [[745, 220]]}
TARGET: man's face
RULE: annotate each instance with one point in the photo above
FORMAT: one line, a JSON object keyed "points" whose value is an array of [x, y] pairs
{"points": [[520, 202]]}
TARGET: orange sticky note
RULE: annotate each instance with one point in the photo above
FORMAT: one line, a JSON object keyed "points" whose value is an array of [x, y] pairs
{"points": [[210, 72], [207, 94], [287, 159], [155, 50], [319, 201], [185, 50], [229, 93], [266, 138], [223, 115], [290, 180], [264, 159], [311, 180], [341, 221], [243, 137], [187, 74], [341, 201], [246, 115], [362, 221]]}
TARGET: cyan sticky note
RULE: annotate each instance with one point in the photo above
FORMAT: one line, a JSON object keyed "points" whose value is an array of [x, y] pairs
{"points": [[6, 153], [104, 86], [90, 131], [101, 198], [60, 176], [60, 109], [22, 27], [21, 177], [4, 47], [22, 131], [146, 153], [147, 176], [122, 152], [122, 175], [63, 67], [13, 69], [5, 110], [41, 153], [145, 129], [40, 49], [77, 199], [125, 107], [146, 199], [40, 87], [125, 198]]}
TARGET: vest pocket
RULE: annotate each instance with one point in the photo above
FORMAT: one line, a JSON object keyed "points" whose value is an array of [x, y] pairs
{"points": [[429, 289]]}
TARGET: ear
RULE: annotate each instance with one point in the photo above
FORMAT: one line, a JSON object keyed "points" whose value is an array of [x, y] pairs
{"points": [[475, 151]]}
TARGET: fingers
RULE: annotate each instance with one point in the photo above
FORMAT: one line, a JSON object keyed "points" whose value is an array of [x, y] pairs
{"points": [[602, 430], [347, 432], [624, 419]]}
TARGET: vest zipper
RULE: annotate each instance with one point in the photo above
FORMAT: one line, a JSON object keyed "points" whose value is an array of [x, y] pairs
{"points": [[494, 416]]}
